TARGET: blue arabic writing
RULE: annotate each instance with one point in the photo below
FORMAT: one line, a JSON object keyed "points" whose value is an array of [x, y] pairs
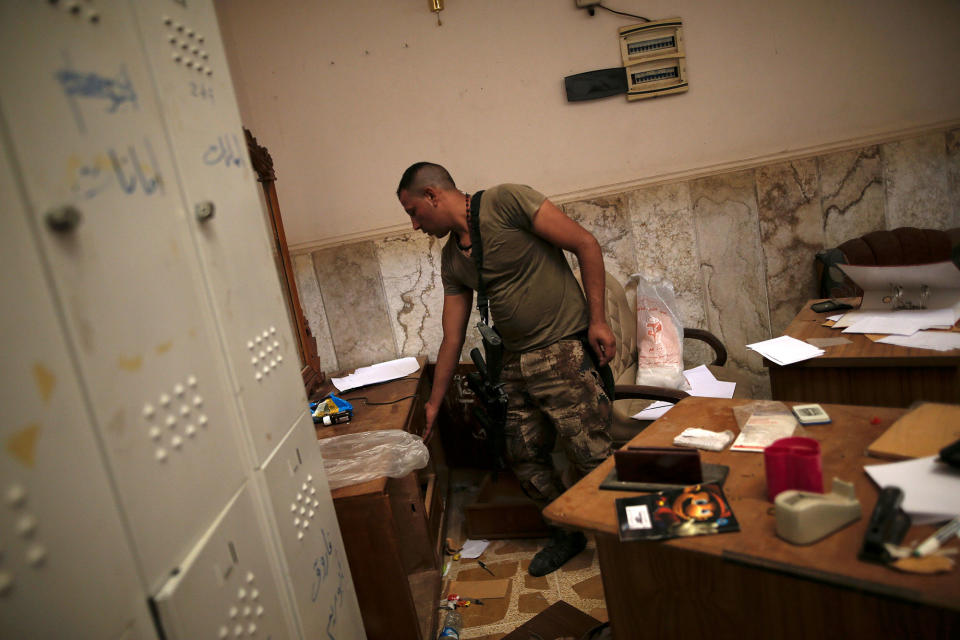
{"points": [[115, 167], [90, 85], [223, 152]]}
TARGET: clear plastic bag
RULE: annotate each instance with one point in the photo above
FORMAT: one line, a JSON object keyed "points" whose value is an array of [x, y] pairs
{"points": [[659, 336], [359, 457]]}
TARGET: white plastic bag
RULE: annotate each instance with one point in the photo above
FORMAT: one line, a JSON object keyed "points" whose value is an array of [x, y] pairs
{"points": [[359, 457], [659, 336]]}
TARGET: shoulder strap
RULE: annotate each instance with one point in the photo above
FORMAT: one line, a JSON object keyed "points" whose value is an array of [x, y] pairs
{"points": [[483, 304]]}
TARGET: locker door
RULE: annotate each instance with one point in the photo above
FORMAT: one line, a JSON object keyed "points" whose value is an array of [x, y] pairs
{"points": [[65, 564], [319, 575], [79, 108], [189, 67], [225, 587]]}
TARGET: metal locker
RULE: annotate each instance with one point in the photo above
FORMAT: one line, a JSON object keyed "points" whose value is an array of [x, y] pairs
{"points": [[189, 66], [225, 588], [79, 108], [319, 576], [66, 568]]}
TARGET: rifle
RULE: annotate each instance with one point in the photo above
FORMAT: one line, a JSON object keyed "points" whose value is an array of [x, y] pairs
{"points": [[485, 383]]}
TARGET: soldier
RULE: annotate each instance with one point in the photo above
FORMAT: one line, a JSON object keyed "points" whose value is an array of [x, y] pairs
{"points": [[555, 340]]}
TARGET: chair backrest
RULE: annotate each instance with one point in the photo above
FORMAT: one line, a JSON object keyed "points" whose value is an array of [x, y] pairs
{"points": [[622, 318]]}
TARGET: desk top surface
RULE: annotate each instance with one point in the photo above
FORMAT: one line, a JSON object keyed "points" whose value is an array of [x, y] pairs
{"points": [[387, 405], [833, 559], [861, 351]]}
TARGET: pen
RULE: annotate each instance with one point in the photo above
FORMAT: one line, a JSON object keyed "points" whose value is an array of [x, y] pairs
{"points": [[942, 534]]}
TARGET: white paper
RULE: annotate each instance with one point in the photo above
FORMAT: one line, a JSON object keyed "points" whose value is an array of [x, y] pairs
{"points": [[702, 383], [653, 411], [904, 322], [936, 340], [931, 490], [786, 350], [473, 548], [381, 372], [939, 275], [760, 431], [878, 283]]}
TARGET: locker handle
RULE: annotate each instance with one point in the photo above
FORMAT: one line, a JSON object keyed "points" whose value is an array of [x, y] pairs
{"points": [[204, 210], [63, 219]]}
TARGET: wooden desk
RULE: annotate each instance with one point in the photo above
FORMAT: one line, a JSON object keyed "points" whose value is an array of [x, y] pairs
{"points": [[392, 528], [752, 584], [863, 372]]}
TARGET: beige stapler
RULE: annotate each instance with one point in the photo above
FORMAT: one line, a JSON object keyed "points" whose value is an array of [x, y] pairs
{"points": [[804, 517]]}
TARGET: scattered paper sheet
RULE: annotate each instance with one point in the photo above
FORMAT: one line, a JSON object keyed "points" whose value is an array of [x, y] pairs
{"points": [[382, 372], [786, 350], [474, 548], [702, 383], [931, 490], [905, 322], [937, 340], [938, 275]]}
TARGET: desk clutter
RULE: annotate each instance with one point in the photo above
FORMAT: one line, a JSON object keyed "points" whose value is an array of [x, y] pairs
{"points": [[688, 497]]}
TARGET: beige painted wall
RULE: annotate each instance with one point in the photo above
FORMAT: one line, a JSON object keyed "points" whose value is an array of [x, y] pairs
{"points": [[347, 93]]}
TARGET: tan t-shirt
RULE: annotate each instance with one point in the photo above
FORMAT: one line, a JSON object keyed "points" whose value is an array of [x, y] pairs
{"points": [[535, 299]]}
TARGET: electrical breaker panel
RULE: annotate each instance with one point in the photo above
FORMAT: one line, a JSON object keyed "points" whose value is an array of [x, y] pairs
{"points": [[79, 107], [225, 588], [655, 58], [63, 553], [319, 576], [186, 55]]}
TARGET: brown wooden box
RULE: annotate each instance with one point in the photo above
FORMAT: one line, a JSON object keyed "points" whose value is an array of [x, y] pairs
{"points": [[502, 510]]}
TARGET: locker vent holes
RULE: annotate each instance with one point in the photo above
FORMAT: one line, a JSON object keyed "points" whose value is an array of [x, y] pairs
{"points": [[176, 419], [244, 612], [303, 509], [85, 11], [19, 530], [265, 353], [187, 47]]}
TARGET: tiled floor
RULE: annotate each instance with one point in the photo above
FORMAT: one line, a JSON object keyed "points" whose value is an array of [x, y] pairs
{"points": [[577, 582]]}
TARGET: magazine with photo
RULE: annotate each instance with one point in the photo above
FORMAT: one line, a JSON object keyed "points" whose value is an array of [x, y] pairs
{"points": [[696, 510]]}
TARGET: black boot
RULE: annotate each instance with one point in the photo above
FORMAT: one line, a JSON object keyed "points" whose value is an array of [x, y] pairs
{"points": [[563, 546]]}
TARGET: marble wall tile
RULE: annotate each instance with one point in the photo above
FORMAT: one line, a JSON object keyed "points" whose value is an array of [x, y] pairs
{"points": [[915, 173], [852, 194], [410, 267], [606, 219], [726, 218], [791, 232], [953, 176], [665, 244], [353, 296], [311, 301]]}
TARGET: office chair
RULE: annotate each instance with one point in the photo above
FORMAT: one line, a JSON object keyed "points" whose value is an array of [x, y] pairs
{"points": [[631, 397]]}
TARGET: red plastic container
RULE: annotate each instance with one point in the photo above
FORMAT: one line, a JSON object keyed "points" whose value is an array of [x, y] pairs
{"points": [[793, 463]]}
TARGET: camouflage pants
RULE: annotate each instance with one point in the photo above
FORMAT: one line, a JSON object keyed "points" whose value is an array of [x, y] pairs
{"points": [[555, 395]]}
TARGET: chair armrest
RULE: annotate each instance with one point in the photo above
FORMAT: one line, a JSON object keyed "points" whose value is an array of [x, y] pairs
{"points": [[719, 350], [646, 392]]}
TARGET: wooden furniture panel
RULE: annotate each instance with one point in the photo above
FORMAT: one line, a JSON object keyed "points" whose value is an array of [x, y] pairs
{"points": [[373, 546], [393, 528], [863, 372], [262, 163], [746, 583]]}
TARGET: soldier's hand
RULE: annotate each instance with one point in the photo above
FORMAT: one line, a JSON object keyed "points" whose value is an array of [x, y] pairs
{"points": [[603, 342], [431, 411]]}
